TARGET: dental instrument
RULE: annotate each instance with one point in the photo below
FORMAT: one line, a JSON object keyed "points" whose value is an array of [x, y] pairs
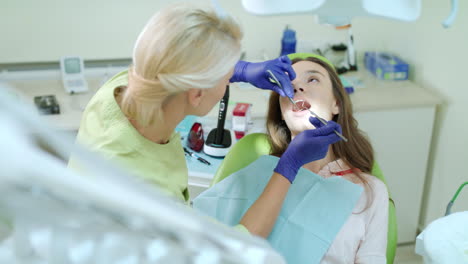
{"points": [[202, 160], [219, 141], [450, 204], [323, 121]]}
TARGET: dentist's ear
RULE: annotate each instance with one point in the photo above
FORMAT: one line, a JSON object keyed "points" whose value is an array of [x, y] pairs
{"points": [[195, 96]]}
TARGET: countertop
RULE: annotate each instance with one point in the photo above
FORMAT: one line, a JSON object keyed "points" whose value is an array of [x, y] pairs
{"points": [[370, 95]]}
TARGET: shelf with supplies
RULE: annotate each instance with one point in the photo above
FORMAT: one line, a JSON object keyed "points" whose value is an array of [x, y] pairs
{"points": [[373, 95]]}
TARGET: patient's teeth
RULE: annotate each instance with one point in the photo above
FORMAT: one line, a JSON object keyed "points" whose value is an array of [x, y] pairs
{"points": [[300, 105]]}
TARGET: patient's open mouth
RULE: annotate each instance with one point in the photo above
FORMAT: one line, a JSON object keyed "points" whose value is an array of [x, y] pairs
{"points": [[301, 105]]}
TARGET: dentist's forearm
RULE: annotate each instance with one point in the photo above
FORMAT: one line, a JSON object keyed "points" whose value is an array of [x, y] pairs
{"points": [[262, 215]]}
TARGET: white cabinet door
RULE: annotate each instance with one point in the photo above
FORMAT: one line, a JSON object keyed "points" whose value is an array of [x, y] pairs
{"points": [[401, 139]]}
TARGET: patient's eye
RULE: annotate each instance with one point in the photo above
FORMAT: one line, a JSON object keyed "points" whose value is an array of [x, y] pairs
{"points": [[313, 80]]}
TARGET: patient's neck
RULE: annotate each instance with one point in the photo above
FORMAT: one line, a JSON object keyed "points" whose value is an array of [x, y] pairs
{"points": [[316, 166]]}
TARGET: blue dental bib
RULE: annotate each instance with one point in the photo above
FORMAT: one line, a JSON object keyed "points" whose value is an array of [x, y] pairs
{"points": [[313, 212]]}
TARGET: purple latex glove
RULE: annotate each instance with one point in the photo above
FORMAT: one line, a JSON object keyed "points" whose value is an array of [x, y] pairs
{"points": [[256, 74], [307, 146]]}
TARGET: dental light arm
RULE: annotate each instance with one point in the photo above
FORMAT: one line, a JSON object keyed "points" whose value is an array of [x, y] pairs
{"points": [[337, 12], [453, 14]]}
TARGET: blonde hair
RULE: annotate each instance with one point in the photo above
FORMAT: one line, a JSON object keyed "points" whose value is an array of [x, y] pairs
{"points": [[181, 47]]}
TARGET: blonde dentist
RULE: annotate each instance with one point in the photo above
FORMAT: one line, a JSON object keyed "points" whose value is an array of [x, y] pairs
{"points": [[182, 62]]}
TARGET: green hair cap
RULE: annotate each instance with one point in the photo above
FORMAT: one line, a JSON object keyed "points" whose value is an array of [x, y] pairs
{"points": [[305, 55]]}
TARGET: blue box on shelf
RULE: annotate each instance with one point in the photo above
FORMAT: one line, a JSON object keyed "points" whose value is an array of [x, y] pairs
{"points": [[386, 66]]}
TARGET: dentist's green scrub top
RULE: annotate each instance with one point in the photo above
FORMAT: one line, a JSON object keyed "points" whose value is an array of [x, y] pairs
{"points": [[105, 129]]}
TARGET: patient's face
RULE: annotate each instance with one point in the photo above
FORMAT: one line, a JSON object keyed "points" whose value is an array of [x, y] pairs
{"points": [[313, 89]]}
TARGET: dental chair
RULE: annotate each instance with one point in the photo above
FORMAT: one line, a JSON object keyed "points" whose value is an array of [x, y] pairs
{"points": [[252, 146]]}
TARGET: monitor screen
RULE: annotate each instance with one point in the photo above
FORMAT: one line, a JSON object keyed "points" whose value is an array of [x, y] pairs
{"points": [[72, 65]]}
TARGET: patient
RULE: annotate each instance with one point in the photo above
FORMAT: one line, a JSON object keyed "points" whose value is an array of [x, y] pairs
{"points": [[335, 211], [363, 237]]}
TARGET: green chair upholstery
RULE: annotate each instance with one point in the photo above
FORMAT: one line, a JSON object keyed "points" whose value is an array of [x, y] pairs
{"points": [[252, 146]]}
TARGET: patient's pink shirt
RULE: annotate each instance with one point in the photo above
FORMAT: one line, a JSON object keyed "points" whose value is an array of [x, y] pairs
{"points": [[363, 237]]}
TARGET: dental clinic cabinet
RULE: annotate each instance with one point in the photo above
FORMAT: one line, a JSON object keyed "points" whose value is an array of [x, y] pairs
{"points": [[398, 117]]}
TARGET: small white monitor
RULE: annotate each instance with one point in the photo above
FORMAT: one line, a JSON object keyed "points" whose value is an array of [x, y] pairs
{"points": [[72, 68]]}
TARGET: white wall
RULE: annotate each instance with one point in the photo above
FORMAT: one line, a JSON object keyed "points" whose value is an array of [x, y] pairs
{"points": [[438, 57], [44, 30]]}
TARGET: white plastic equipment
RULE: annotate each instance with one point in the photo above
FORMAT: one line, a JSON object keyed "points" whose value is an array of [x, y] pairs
{"points": [[337, 12], [72, 69], [50, 214], [445, 240]]}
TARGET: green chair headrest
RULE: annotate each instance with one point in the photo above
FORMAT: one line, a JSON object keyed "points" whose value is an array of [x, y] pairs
{"points": [[304, 55]]}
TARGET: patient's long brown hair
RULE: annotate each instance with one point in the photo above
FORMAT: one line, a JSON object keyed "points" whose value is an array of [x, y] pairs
{"points": [[357, 153]]}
